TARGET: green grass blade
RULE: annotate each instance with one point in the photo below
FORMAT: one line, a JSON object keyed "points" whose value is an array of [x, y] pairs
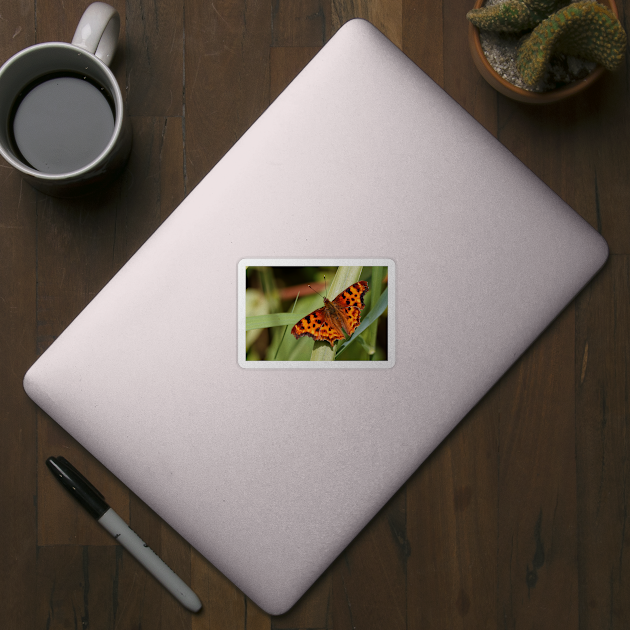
{"points": [[274, 319], [255, 304], [284, 332], [376, 287]]}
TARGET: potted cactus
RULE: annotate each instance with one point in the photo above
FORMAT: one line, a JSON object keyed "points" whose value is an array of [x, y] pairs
{"points": [[557, 49]]}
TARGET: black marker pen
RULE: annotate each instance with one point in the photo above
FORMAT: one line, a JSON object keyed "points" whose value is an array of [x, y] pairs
{"points": [[94, 502]]}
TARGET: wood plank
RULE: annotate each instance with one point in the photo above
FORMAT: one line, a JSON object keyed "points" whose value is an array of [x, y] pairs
{"points": [[154, 60], [76, 587], [226, 78], [558, 148], [565, 147], [140, 600], [224, 606], [18, 415], [603, 443], [561, 148], [285, 64], [152, 185], [608, 128], [452, 527], [17, 28], [313, 609], [369, 588], [386, 15], [537, 537], [423, 36], [171, 159], [576, 147], [255, 618], [303, 23], [74, 257], [462, 80], [143, 600], [57, 22], [18, 419]]}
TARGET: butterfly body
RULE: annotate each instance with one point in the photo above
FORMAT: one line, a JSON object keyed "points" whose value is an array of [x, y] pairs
{"points": [[336, 316]]}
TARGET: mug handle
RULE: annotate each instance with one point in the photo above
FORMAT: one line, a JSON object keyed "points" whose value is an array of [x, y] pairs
{"points": [[98, 30]]}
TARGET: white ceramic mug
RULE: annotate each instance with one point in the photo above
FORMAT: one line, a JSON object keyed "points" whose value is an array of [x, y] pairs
{"points": [[103, 142]]}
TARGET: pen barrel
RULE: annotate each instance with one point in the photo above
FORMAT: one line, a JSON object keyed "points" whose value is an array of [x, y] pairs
{"points": [[149, 559]]}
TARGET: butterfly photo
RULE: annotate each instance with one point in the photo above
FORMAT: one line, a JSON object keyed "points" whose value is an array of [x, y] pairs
{"points": [[315, 313]]}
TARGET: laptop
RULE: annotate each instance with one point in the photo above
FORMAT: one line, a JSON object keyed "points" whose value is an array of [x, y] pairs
{"points": [[362, 162]]}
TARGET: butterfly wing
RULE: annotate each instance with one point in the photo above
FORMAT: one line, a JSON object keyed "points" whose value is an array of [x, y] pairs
{"points": [[309, 325], [353, 295], [329, 334], [350, 303], [315, 325]]}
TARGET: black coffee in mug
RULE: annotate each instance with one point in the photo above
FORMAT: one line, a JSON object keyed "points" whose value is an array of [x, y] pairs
{"points": [[62, 122]]}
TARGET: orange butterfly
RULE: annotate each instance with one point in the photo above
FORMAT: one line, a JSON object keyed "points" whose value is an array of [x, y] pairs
{"points": [[329, 322]]}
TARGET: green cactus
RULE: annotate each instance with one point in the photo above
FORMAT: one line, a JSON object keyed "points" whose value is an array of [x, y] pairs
{"points": [[513, 16], [583, 29]]}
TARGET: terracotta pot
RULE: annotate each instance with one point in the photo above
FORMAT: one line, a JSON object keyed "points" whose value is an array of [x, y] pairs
{"points": [[508, 89]]}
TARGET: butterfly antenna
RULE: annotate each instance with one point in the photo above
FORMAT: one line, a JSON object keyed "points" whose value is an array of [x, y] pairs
{"points": [[318, 293]]}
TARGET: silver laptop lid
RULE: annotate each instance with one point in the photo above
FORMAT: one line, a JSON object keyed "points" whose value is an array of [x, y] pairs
{"points": [[271, 473]]}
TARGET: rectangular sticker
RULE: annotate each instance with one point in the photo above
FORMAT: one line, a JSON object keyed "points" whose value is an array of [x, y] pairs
{"points": [[316, 313]]}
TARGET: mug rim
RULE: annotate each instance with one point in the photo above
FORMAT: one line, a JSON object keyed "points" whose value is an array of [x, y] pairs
{"points": [[118, 122]]}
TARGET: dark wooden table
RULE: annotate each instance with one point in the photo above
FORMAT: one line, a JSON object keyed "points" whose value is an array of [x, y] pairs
{"points": [[518, 520]]}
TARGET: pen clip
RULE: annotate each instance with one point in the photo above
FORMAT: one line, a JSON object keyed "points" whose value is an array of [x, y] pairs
{"points": [[71, 468]]}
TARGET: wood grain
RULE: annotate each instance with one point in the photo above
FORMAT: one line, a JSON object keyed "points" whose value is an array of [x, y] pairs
{"points": [[313, 609], [537, 537], [609, 134], [226, 78], [76, 587], [18, 324], [304, 23], [452, 518], [386, 15], [285, 64], [369, 577], [153, 606], [224, 606], [154, 57], [422, 36], [461, 79], [18, 416], [518, 520], [602, 381]]}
